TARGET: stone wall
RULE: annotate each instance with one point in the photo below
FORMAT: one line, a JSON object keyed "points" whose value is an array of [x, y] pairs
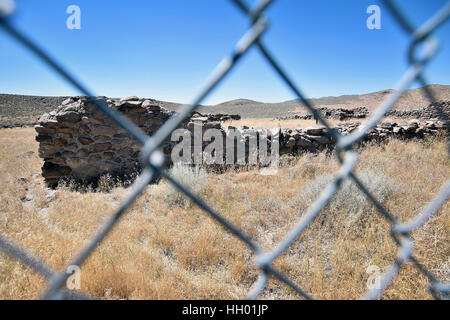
{"points": [[435, 110], [221, 117], [332, 113], [316, 139], [78, 141]]}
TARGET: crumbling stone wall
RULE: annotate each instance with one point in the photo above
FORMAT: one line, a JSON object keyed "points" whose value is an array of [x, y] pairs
{"points": [[436, 110], [221, 117], [316, 139], [439, 110], [78, 141], [332, 113]]}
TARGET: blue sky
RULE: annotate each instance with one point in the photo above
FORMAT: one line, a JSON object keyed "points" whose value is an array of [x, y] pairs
{"points": [[166, 49]]}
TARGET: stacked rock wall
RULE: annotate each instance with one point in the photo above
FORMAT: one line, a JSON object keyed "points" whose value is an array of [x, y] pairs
{"points": [[438, 110], [332, 113], [316, 139], [78, 141]]}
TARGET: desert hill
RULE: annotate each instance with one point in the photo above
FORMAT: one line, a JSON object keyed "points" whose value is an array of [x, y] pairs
{"points": [[19, 110]]}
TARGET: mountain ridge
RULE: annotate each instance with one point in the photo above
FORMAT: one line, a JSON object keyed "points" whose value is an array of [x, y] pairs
{"points": [[18, 110]]}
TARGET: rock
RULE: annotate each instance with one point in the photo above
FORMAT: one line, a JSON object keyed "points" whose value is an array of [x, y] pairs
{"points": [[64, 130], [98, 129], [68, 101], [82, 153], [50, 170], [130, 104], [71, 147], [441, 125], [51, 195], [28, 196], [23, 180], [59, 142], [76, 162], [295, 134], [87, 120], [397, 130], [130, 98], [101, 147], [212, 125], [315, 130], [68, 116], [94, 158], [43, 138], [44, 130], [147, 104], [109, 155], [67, 154], [410, 128], [304, 142], [388, 125], [85, 140], [47, 151], [199, 119], [66, 136], [126, 153], [320, 139], [290, 143]]}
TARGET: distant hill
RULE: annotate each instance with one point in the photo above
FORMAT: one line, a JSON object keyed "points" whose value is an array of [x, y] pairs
{"points": [[17, 110], [238, 102], [22, 110], [410, 100]]}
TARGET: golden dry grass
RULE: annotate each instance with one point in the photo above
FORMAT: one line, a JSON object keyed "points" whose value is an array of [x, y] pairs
{"points": [[293, 123], [162, 251]]}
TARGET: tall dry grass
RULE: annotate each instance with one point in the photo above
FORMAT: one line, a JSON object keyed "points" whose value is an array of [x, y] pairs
{"points": [[161, 250]]}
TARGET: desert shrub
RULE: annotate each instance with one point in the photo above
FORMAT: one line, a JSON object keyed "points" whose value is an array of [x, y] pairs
{"points": [[194, 177], [349, 198]]}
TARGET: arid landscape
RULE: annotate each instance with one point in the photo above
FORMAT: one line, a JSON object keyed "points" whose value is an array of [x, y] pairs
{"points": [[167, 248], [20, 110]]}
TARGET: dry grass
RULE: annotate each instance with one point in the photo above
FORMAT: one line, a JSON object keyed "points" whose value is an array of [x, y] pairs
{"points": [[161, 250], [293, 123], [274, 123]]}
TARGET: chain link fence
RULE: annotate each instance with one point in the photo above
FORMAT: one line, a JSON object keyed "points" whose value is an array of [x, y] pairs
{"points": [[152, 157]]}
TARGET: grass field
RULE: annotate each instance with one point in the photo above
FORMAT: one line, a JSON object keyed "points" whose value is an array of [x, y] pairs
{"points": [[168, 249]]}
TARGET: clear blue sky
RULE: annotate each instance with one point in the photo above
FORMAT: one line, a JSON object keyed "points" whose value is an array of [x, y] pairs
{"points": [[165, 49]]}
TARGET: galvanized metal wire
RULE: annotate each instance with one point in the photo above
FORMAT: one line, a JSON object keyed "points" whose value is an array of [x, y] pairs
{"points": [[152, 157]]}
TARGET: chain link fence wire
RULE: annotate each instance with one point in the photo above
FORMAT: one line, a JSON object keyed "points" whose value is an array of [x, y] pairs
{"points": [[422, 39]]}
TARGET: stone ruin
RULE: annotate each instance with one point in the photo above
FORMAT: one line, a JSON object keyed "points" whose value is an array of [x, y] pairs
{"points": [[80, 142], [436, 110], [331, 113]]}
